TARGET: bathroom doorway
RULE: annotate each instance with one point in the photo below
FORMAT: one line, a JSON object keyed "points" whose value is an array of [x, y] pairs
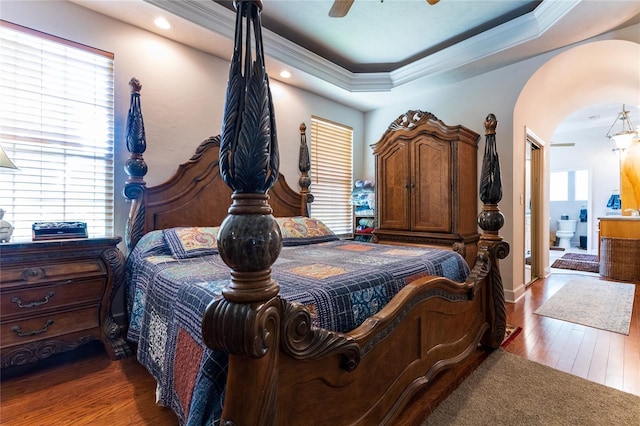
{"points": [[533, 208]]}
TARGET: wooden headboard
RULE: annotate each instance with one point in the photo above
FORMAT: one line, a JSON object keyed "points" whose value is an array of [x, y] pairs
{"points": [[195, 195]]}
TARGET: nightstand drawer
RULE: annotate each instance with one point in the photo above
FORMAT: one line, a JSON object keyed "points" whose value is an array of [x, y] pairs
{"points": [[33, 300], [52, 272], [41, 327]]}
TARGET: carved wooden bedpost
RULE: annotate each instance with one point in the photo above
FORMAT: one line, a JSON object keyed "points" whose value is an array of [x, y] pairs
{"points": [[135, 167], [304, 165], [491, 244], [246, 321]]}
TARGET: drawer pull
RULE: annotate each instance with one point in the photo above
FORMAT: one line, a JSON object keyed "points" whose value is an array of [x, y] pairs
{"points": [[18, 301], [20, 333]]}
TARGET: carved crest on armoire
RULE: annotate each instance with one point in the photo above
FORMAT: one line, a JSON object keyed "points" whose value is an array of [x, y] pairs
{"points": [[426, 174]]}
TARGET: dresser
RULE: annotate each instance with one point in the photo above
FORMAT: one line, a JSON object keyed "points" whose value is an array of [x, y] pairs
{"points": [[426, 184], [56, 295]]}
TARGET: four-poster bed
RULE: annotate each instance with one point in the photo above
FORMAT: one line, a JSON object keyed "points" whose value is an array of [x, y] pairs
{"points": [[269, 359]]}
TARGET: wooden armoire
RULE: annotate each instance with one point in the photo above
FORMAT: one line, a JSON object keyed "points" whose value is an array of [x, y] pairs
{"points": [[426, 184]]}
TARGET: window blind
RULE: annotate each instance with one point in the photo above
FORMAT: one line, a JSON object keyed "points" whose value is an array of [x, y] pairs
{"points": [[332, 174], [56, 125]]}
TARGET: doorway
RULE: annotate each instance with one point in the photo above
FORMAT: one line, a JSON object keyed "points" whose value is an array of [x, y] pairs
{"points": [[533, 209]]}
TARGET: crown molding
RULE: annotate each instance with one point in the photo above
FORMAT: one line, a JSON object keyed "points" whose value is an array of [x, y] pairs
{"points": [[214, 17]]}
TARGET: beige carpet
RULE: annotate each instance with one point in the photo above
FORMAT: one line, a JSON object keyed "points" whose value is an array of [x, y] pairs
{"points": [[592, 302], [509, 390]]}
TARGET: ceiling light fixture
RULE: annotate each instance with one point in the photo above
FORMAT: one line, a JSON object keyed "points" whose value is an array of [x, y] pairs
{"points": [[285, 74], [624, 137], [162, 23]]}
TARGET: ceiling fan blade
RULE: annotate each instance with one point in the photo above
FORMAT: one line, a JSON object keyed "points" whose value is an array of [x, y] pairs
{"points": [[432, 2], [340, 8]]}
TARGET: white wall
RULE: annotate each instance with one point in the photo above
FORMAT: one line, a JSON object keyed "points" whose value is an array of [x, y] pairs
{"points": [[182, 95]]}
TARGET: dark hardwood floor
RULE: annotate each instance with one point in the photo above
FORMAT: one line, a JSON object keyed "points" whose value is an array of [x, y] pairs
{"points": [[92, 390]]}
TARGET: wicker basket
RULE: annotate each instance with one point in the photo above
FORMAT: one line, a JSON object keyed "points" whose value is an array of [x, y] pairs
{"points": [[620, 258]]}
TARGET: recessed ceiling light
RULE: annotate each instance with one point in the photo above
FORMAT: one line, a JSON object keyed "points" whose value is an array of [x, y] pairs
{"points": [[162, 23], [285, 74]]}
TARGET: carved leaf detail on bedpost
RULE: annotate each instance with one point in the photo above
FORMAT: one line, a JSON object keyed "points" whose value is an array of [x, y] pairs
{"points": [[490, 178], [249, 158], [301, 340], [491, 247], [246, 321], [135, 167], [304, 165]]}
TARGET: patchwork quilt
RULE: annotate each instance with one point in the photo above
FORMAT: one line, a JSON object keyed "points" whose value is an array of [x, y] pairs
{"points": [[342, 282]]}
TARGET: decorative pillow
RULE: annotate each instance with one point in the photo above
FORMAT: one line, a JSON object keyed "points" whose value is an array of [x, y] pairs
{"points": [[300, 230], [151, 244], [192, 242]]}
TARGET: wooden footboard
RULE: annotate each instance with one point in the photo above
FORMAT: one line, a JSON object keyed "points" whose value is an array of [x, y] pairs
{"points": [[284, 371], [295, 372], [298, 372]]}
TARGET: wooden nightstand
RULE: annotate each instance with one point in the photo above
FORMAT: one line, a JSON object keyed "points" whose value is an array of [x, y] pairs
{"points": [[56, 295]]}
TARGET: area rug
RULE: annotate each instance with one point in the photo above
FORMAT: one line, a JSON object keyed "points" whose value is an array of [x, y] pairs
{"points": [[508, 390], [595, 303], [511, 332], [577, 262]]}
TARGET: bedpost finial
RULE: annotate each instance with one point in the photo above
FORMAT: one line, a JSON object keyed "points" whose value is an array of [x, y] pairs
{"points": [[490, 124], [257, 2], [135, 85], [491, 218]]}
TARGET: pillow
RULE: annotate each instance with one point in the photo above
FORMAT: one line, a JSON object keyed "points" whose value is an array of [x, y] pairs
{"points": [[192, 242], [152, 243], [300, 230]]}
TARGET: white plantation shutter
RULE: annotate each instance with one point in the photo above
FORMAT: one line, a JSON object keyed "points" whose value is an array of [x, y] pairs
{"points": [[56, 125], [332, 174]]}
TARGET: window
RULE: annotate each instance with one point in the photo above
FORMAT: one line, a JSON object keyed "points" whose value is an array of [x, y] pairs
{"points": [[559, 187], [332, 174], [56, 125], [569, 186], [581, 185]]}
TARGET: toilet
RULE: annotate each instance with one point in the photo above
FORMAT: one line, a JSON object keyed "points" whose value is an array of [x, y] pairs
{"points": [[566, 229]]}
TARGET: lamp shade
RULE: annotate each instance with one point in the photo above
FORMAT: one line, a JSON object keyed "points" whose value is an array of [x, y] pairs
{"points": [[623, 139], [5, 162]]}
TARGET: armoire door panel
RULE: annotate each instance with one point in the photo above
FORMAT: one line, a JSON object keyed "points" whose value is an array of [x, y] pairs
{"points": [[394, 198], [432, 189]]}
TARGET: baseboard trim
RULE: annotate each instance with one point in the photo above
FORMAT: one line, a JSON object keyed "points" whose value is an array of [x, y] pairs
{"points": [[512, 296]]}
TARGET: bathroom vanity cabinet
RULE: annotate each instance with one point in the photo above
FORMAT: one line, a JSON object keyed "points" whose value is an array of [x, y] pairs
{"points": [[619, 247]]}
